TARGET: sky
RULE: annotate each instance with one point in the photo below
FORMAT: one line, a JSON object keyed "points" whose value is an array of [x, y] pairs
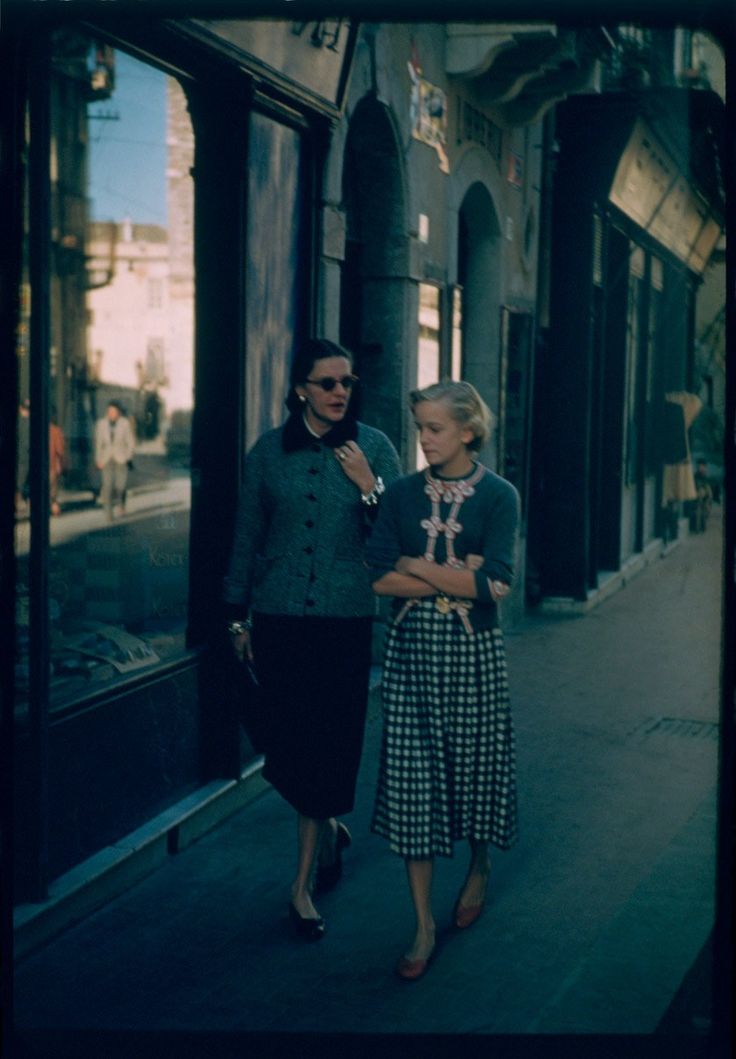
{"points": [[128, 154]]}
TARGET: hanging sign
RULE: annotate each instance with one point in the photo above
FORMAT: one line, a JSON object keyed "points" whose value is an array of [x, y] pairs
{"points": [[310, 59], [650, 188]]}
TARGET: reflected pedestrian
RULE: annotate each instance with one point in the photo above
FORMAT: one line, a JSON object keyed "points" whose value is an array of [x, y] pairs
{"points": [[302, 607], [114, 446], [443, 547], [704, 498], [57, 461], [22, 470]]}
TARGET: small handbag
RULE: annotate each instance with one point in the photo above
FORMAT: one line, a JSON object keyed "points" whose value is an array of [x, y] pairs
{"points": [[251, 706]]}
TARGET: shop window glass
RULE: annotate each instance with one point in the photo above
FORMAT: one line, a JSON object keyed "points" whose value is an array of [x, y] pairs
{"points": [[652, 346], [456, 363], [632, 415], [121, 365], [428, 351], [428, 362], [273, 274], [25, 420], [22, 471], [516, 341]]}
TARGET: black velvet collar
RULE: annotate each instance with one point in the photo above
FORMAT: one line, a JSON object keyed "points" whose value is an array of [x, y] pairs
{"points": [[296, 436]]}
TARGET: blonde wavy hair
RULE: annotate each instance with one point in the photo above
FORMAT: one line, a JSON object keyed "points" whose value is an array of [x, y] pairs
{"points": [[465, 404]]}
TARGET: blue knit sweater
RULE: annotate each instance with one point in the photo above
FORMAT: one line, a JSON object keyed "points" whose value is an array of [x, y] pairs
{"points": [[487, 522]]}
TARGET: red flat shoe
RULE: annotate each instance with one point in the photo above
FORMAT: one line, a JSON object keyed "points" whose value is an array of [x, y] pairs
{"points": [[466, 915], [410, 970]]}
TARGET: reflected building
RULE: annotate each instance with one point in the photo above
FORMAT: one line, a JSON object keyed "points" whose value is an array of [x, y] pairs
{"points": [[141, 301], [128, 315]]}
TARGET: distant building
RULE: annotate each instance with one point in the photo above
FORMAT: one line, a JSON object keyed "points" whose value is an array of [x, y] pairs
{"points": [[129, 311], [141, 299]]}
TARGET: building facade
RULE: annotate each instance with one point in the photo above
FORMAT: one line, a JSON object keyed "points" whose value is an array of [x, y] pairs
{"points": [[637, 212], [433, 205]]}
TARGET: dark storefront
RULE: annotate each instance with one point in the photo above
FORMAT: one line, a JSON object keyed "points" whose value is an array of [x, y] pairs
{"points": [[167, 182], [637, 210]]}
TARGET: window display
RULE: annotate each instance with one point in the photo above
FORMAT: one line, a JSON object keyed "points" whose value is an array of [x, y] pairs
{"points": [[121, 372]]}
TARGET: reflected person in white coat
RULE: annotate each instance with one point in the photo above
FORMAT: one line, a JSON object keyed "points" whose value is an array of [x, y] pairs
{"points": [[114, 447]]}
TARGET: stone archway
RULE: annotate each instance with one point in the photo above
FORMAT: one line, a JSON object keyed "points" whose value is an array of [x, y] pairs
{"points": [[375, 267], [479, 270]]}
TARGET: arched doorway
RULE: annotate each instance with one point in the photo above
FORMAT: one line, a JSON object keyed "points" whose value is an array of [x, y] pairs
{"points": [[478, 276], [373, 287]]}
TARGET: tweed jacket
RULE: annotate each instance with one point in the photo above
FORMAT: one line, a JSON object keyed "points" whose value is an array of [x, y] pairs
{"points": [[301, 525]]}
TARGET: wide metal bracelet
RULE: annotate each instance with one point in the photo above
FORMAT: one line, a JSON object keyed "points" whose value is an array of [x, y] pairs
{"points": [[371, 499]]}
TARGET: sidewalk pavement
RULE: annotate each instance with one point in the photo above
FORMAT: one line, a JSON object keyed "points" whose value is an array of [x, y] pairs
{"points": [[594, 919]]}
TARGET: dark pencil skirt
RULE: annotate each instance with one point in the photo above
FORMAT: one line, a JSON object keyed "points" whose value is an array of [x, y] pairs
{"points": [[314, 675]]}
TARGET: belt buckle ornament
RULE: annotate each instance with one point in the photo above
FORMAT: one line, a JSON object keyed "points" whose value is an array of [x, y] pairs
{"points": [[442, 604]]}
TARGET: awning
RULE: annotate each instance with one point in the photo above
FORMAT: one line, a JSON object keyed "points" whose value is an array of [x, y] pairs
{"points": [[309, 60], [657, 156], [654, 192]]}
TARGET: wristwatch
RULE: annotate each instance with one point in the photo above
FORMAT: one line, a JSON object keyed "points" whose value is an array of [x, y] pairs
{"points": [[235, 628]]}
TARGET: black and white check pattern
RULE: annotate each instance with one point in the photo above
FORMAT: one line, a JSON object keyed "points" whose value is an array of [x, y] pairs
{"points": [[447, 768]]}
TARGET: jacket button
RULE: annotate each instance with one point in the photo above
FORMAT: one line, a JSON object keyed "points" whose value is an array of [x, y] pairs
{"points": [[311, 496], [310, 602], [309, 549], [309, 523], [313, 470]]}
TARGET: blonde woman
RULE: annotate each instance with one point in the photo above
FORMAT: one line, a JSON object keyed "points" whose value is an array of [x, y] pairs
{"points": [[443, 547]]}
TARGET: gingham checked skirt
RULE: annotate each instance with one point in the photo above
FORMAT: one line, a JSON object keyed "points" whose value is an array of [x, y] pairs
{"points": [[447, 768]]}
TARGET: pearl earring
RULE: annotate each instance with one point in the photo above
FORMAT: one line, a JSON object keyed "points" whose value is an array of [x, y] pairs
{"points": [[301, 397]]}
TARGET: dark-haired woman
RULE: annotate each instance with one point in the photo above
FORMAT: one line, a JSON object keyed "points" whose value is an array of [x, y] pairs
{"points": [[301, 606]]}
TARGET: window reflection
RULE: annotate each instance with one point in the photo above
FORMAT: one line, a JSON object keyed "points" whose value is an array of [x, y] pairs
{"points": [[516, 340], [273, 269], [428, 370], [428, 352], [122, 316], [456, 360]]}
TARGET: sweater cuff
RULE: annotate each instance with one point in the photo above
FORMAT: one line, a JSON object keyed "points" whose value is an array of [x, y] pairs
{"points": [[482, 587]]}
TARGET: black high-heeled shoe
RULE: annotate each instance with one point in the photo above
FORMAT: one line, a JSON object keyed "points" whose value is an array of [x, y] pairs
{"points": [[328, 875], [306, 928]]}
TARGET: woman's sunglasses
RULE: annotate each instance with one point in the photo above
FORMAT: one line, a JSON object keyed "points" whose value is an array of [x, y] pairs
{"points": [[327, 382]]}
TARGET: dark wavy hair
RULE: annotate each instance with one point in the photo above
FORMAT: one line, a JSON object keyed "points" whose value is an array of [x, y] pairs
{"points": [[307, 354]]}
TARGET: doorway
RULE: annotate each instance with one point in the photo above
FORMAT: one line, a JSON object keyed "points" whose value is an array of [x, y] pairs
{"points": [[373, 288]]}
